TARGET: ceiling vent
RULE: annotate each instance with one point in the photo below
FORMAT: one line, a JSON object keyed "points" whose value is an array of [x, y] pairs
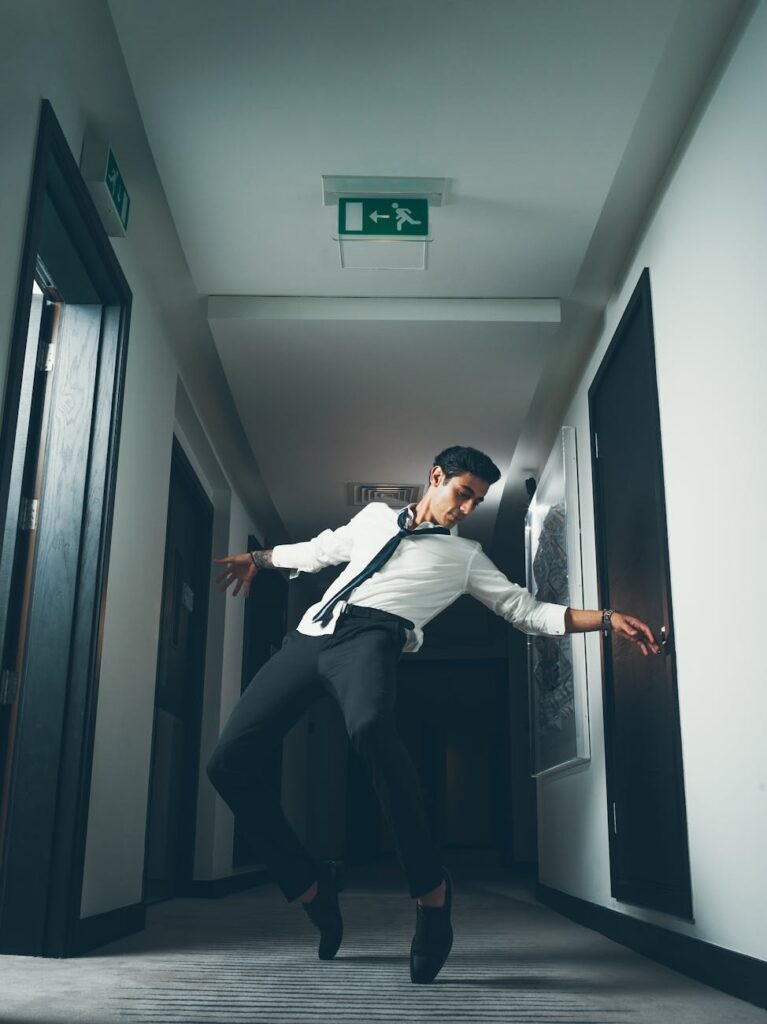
{"points": [[395, 495]]}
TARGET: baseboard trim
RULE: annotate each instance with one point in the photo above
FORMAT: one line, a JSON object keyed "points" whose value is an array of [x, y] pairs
{"points": [[215, 888], [733, 973], [100, 929]]}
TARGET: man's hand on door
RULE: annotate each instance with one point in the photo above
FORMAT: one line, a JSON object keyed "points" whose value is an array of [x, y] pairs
{"points": [[635, 630]]}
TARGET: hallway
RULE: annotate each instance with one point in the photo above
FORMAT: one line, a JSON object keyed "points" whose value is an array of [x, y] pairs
{"points": [[250, 957], [216, 347]]}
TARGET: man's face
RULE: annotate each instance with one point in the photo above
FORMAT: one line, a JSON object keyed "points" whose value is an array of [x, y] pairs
{"points": [[455, 498]]}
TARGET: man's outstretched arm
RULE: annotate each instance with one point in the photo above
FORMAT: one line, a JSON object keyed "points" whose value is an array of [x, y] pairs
{"points": [[331, 547], [581, 620], [489, 585]]}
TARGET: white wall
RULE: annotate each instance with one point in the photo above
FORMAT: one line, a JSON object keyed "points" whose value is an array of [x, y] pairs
{"points": [[705, 242], [72, 58]]}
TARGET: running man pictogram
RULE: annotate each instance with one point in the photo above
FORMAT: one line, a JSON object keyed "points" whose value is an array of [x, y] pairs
{"points": [[404, 216]]}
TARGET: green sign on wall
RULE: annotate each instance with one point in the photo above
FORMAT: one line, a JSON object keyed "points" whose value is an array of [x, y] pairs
{"points": [[119, 193], [383, 216]]}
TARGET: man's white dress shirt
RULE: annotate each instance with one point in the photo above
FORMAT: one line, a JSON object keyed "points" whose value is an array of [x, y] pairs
{"points": [[419, 580]]}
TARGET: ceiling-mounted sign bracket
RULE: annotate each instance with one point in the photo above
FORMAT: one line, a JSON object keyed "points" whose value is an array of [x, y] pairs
{"points": [[365, 252], [376, 215], [358, 186]]}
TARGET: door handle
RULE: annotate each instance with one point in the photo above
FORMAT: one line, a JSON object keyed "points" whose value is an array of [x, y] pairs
{"points": [[665, 640]]}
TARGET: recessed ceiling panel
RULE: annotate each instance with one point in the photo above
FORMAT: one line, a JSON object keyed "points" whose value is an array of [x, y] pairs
{"points": [[327, 402]]}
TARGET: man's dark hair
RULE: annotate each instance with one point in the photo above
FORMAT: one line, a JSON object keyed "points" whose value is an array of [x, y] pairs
{"points": [[457, 460]]}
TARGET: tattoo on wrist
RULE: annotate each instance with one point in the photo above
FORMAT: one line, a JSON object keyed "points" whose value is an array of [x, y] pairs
{"points": [[262, 559]]}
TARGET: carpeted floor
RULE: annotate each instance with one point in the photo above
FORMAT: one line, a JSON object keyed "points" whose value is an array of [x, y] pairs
{"points": [[252, 958]]}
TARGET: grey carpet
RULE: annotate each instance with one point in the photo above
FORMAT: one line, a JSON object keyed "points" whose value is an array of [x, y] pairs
{"points": [[252, 958]]}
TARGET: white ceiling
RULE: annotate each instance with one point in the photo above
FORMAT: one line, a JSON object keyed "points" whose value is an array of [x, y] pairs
{"points": [[529, 107], [347, 387]]}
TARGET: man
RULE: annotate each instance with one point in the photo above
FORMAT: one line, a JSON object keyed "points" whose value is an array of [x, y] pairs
{"points": [[348, 645]]}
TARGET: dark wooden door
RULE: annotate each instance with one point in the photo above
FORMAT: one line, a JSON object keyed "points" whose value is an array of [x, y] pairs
{"points": [[58, 451], [43, 324], [178, 696], [645, 784]]}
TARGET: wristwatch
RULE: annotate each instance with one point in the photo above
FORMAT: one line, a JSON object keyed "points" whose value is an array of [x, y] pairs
{"points": [[607, 615]]}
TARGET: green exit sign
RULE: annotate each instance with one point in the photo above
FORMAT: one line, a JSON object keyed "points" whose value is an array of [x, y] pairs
{"points": [[117, 190], [106, 184], [383, 216]]}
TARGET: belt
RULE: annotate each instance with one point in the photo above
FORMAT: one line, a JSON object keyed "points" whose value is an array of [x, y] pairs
{"points": [[357, 611]]}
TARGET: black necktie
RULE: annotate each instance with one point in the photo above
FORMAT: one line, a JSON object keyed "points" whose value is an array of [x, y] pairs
{"points": [[323, 615]]}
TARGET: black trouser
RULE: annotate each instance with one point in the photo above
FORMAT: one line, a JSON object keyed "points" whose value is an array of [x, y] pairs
{"points": [[356, 665]]}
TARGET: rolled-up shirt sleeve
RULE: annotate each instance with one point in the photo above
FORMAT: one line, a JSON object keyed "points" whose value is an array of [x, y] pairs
{"points": [[331, 547], [489, 585]]}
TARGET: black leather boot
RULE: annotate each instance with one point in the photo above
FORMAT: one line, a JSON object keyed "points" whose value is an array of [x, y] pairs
{"points": [[325, 913]]}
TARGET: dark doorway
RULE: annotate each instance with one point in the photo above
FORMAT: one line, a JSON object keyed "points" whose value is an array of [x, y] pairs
{"points": [[266, 612], [453, 717], [645, 784], [169, 862], [58, 456]]}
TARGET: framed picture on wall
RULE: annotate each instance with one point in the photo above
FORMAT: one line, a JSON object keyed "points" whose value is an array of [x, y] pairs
{"points": [[559, 712]]}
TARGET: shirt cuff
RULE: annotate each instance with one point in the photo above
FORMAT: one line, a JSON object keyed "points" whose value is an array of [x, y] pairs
{"points": [[278, 560], [555, 619]]}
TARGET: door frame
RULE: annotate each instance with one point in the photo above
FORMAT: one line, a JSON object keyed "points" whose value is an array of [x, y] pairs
{"points": [[184, 471], [41, 873], [241, 851], [679, 903]]}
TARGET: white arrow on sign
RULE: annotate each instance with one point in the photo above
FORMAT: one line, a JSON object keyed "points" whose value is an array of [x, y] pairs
{"points": [[375, 216]]}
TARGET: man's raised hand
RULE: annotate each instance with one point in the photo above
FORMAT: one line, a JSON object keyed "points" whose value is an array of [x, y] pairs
{"points": [[240, 570]]}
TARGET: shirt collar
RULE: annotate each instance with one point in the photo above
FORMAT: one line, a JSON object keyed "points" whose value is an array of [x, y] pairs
{"points": [[411, 516]]}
